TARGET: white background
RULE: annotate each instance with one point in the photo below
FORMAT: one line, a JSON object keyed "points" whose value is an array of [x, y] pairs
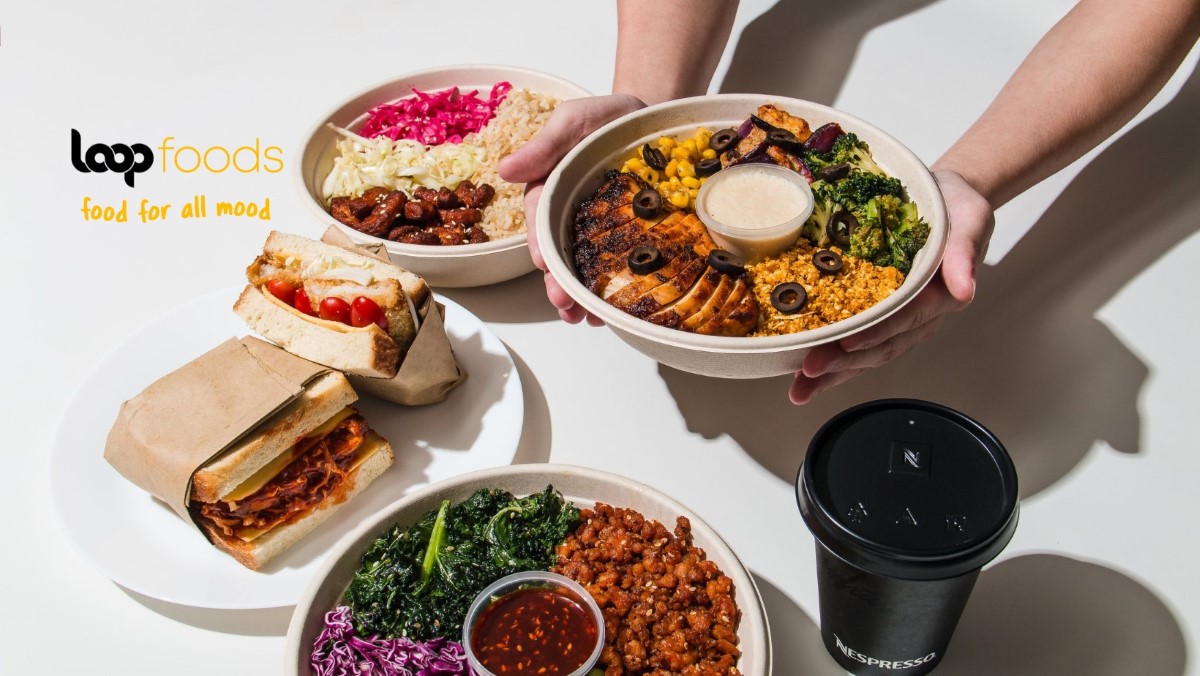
{"points": [[1079, 351]]}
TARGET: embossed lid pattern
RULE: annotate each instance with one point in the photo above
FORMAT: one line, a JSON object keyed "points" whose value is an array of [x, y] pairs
{"points": [[908, 489]]}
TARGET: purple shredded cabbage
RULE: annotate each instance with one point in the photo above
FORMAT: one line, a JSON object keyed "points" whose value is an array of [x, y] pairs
{"points": [[338, 652]]}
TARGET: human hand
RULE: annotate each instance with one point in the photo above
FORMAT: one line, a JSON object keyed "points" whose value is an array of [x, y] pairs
{"points": [[971, 225], [570, 122]]}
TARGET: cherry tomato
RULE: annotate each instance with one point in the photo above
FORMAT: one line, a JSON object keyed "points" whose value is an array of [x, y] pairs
{"points": [[283, 290], [302, 303], [364, 311], [336, 310]]}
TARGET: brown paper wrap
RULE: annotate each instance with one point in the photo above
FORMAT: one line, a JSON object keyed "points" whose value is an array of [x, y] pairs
{"points": [[191, 415], [429, 371]]}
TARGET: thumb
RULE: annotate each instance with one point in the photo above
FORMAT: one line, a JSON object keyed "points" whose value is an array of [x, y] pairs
{"points": [[971, 224], [570, 122]]}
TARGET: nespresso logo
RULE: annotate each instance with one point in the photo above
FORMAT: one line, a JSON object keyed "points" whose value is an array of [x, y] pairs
{"points": [[118, 157], [882, 664]]}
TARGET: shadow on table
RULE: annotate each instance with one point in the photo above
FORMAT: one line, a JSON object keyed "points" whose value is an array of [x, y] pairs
{"points": [[1047, 615], [1029, 359], [534, 445], [783, 39], [795, 637], [257, 622], [517, 301]]}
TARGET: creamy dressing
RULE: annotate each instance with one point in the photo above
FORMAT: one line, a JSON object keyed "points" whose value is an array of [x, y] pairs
{"points": [[755, 198]]}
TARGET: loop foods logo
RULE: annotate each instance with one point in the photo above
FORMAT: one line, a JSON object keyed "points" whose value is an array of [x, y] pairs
{"points": [[136, 158], [101, 157]]}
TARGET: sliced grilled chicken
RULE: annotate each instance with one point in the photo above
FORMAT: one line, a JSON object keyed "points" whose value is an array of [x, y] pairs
{"points": [[685, 292], [784, 120]]}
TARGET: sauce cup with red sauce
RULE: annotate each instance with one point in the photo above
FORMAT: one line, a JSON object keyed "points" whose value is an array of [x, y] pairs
{"points": [[533, 623]]}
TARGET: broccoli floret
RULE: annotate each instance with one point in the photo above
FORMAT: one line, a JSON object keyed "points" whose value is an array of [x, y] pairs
{"points": [[868, 241], [849, 149], [859, 187], [906, 234], [824, 206]]}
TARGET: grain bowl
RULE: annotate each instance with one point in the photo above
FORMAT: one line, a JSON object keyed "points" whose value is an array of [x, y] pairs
{"points": [[506, 254], [569, 219], [694, 544]]}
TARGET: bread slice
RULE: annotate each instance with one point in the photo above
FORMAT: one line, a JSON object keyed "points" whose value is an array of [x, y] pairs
{"points": [[362, 351], [258, 552], [304, 249], [322, 398]]}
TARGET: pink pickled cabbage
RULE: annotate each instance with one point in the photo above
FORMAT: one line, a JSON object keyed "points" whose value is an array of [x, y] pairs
{"points": [[338, 652], [441, 117]]}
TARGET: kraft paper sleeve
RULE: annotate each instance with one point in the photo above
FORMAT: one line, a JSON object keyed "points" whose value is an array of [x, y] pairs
{"points": [[191, 415], [429, 371]]}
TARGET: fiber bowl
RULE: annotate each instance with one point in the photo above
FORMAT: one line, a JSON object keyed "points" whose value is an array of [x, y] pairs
{"points": [[446, 266], [582, 171], [582, 486]]}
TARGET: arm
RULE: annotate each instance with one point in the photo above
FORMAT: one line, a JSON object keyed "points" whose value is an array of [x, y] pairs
{"points": [[669, 49], [1085, 79], [666, 49]]}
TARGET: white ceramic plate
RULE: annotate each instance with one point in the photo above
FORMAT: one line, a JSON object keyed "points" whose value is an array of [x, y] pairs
{"points": [[580, 485], [142, 545]]}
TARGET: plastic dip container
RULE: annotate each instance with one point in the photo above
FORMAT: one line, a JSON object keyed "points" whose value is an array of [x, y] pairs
{"points": [[754, 210], [533, 623], [907, 501]]}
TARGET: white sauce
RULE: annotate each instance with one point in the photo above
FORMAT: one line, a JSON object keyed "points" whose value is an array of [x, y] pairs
{"points": [[754, 199]]}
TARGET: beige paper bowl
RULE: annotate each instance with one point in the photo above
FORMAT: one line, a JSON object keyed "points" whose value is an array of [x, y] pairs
{"points": [[447, 266], [582, 170], [584, 487]]}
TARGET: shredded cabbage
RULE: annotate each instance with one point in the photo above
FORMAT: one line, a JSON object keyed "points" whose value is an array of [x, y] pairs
{"points": [[338, 652], [398, 165], [435, 118]]}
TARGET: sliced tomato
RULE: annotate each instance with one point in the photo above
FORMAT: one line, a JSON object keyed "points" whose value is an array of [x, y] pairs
{"points": [[336, 310], [283, 290], [364, 312], [302, 303]]}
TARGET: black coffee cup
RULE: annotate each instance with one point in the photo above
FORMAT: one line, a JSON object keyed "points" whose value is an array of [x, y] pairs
{"points": [[907, 501]]}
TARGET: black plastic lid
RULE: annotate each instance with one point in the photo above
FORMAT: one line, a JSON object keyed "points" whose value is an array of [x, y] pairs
{"points": [[908, 489]]}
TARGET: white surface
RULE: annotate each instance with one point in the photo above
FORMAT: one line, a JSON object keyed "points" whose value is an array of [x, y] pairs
{"points": [[107, 517], [1078, 352]]}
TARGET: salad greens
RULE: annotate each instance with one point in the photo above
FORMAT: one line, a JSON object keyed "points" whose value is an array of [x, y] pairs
{"points": [[418, 581]]}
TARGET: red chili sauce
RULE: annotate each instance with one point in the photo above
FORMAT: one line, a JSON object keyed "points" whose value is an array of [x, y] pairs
{"points": [[544, 631]]}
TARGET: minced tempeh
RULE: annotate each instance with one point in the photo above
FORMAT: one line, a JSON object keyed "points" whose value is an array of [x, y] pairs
{"points": [[831, 298]]}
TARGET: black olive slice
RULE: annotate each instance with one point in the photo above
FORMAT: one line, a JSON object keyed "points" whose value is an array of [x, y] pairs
{"points": [[828, 262], [789, 297], [708, 167], [654, 157], [834, 172], [840, 227], [646, 259], [647, 203], [725, 262], [723, 140], [784, 139], [762, 124]]}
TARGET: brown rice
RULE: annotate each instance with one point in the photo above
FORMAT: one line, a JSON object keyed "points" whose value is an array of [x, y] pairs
{"points": [[518, 118], [831, 298]]}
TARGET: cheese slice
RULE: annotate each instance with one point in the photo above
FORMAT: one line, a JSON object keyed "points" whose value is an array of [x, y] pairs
{"points": [[370, 446], [268, 471]]}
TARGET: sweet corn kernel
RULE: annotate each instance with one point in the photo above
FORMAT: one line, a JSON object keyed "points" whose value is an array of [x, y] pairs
{"points": [[672, 168], [686, 169], [644, 173], [708, 154], [690, 146], [666, 143], [679, 200], [690, 181], [680, 154]]}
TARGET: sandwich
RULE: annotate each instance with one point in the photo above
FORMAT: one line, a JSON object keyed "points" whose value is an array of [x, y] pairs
{"points": [[290, 473], [333, 306]]}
